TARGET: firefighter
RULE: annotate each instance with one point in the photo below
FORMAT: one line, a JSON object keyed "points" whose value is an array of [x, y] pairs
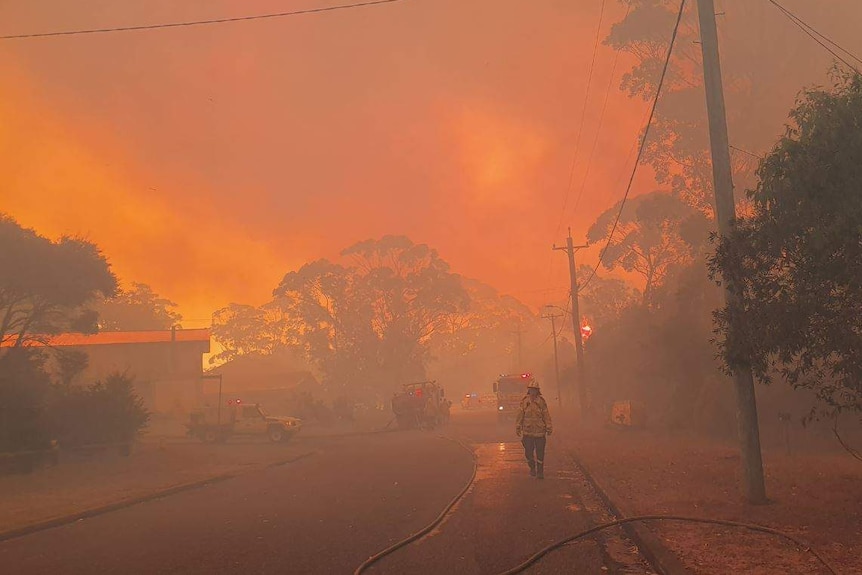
{"points": [[533, 425]]}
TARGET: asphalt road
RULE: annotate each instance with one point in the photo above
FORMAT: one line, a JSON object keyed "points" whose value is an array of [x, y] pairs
{"points": [[327, 512]]}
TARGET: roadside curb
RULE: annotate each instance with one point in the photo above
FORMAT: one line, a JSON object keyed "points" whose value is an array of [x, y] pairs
{"points": [[659, 556], [116, 506]]}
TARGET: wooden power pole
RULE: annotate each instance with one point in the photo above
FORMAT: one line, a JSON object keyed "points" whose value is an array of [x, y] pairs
{"points": [[570, 250], [725, 214], [553, 317]]}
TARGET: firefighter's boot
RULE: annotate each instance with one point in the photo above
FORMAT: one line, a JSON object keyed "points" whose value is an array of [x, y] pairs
{"points": [[540, 470], [532, 465]]}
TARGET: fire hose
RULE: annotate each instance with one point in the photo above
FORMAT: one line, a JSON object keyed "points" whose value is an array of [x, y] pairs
{"points": [[581, 535], [428, 528]]}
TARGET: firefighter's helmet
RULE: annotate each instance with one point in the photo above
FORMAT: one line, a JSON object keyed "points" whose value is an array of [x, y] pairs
{"points": [[533, 385]]}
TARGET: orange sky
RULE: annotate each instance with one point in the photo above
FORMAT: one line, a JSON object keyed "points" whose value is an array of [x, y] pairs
{"points": [[209, 161]]}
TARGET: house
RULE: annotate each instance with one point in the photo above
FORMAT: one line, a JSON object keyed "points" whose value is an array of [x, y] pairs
{"points": [[167, 364], [273, 380]]}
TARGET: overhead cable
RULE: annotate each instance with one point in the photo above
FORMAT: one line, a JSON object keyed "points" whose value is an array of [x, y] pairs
{"points": [[601, 121], [581, 124], [819, 37], [199, 22], [642, 142]]}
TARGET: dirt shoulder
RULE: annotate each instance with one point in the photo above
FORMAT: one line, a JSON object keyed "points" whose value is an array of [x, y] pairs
{"points": [[85, 482], [816, 497]]}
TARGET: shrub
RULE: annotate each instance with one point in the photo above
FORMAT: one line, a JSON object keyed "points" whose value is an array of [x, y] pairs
{"points": [[108, 411], [24, 388]]}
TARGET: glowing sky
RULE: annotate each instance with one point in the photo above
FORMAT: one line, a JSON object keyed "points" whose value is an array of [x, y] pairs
{"points": [[209, 161]]}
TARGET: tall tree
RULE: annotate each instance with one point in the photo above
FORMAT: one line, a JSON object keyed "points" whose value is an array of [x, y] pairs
{"points": [[136, 309], [477, 343], [655, 233], [364, 325], [46, 286], [331, 322], [797, 260], [244, 329], [757, 74], [411, 292], [605, 299]]}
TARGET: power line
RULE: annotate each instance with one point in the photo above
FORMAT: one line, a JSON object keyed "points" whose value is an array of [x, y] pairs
{"points": [[642, 142], [583, 116], [816, 36], [199, 22], [746, 152], [601, 121]]}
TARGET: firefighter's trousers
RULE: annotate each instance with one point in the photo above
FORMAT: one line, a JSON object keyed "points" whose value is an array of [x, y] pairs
{"points": [[534, 445]]}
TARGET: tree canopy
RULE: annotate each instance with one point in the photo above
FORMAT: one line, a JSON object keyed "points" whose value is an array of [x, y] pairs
{"points": [[678, 146], [796, 262], [655, 232], [603, 300], [136, 309], [46, 286], [361, 323]]}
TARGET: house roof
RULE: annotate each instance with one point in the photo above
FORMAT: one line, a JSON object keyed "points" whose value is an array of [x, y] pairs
{"points": [[127, 337]]}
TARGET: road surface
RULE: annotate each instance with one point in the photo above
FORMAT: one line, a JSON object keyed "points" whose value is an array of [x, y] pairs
{"points": [[349, 498]]}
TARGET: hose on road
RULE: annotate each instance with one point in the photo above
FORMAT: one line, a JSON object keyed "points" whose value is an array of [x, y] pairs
{"points": [[750, 526], [430, 527], [583, 534]]}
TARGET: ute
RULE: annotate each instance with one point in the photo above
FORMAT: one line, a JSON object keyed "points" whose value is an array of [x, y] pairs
{"points": [[420, 405], [212, 424], [510, 390]]}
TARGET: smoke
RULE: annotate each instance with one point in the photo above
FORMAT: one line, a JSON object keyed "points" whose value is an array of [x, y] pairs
{"points": [[208, 161]]}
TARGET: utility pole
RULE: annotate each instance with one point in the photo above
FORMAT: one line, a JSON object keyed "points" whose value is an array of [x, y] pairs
{"points": [[570, 250], [725, 214], [520, 366], [553, 317]]}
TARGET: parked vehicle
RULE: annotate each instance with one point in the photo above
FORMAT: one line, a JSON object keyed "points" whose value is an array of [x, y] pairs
{"points": [[212, 424]]}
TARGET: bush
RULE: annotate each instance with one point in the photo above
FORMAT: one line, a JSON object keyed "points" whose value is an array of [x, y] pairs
{"points": [[24, 388], [108, 411]]}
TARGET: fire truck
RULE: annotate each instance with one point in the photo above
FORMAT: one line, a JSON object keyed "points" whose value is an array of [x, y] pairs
{"points": [[510, 390], [420, 405]]}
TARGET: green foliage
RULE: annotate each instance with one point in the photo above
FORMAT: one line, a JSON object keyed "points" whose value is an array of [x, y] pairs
{"points": [[45, 286], [137, 309], [108, 411], [796, 262], [24, 387]]}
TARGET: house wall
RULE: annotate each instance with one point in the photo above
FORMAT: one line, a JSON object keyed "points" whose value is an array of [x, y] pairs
{"points": [[167, 374]]}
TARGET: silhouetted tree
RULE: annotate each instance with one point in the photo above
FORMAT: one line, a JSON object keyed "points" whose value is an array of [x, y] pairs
{"points": [[137, 309], [603, 300], [655, 232], [24, 391], [46, 286], [362, 325], [245, 329], [70, 363]]}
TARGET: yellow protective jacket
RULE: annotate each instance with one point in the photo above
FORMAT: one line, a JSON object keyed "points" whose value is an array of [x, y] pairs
{"points": [[533, 418]]}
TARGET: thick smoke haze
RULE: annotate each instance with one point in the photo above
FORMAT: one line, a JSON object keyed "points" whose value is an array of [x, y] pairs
{"points": [[209, 161]]}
